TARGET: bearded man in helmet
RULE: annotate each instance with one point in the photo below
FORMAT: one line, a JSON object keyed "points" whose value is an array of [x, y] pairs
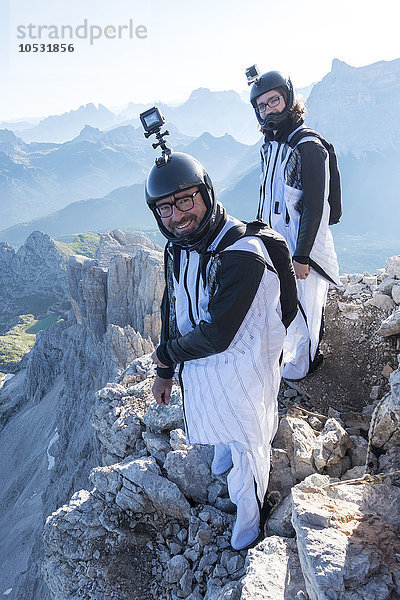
{"points": [[294, 194], [222, 323]]}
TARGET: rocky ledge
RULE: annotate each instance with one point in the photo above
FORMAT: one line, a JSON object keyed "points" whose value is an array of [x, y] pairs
{"points": [[157, 523]]}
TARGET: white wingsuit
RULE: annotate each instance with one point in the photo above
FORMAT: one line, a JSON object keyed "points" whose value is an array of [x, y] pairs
{"points": [[282, 206], [229, 395]]}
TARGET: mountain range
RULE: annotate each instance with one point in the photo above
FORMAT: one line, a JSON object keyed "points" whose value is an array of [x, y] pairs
{"points": [[38, 178], [357, 107], [47, 185]]}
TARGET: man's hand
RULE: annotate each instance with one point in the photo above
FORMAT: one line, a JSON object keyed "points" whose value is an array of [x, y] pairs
{"points": [[157, 361], [162, 390], [301, 271]]}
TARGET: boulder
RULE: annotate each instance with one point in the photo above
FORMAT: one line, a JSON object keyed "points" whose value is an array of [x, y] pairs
{"points": [[381, 301], [281, 477], [157, 445], [347, 539], [391, 325], [396, 293], [390, 461], [387, 427], [280, 521], [177, 439], [358, 452], [385, 287], [331, 445], [189, 468], [273, 571], [145, 475], [165, 418], [300, 441], [176, 568], [354, 289], [393, 266]]}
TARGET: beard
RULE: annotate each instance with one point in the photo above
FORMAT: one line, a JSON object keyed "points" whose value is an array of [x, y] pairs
{"points": [[193, 223]]}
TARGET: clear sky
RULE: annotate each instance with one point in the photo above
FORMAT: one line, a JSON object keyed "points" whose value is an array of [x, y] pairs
{"points": [[188, 45]]}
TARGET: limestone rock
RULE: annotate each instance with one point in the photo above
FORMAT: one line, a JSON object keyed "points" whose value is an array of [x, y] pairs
{"points": [[157, 444], [358, 452], [122, 287], [281, 477], [163, 494], [35, 275], [280, 522], [381, 301], [116, 242], [165, 418], [396, 293], [391, 325], [356, 528], [300, 441], [331, 445], [189, 468], [387, 427], [176, 568], [134, 290], [390, 461], [273, 571], [177, 439], [385, 287], [393, 266], [370, 280], [124, 344], [353, 289], [116, 418], [354, 473], [94, 295]]}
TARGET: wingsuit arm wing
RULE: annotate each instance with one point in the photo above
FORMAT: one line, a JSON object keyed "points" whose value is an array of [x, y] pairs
{"points": [[313, 156], [238, 280]]}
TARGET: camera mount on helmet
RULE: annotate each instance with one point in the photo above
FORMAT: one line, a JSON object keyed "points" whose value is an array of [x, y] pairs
{"points": [[252, 74], [175, 172], [152, 121]]}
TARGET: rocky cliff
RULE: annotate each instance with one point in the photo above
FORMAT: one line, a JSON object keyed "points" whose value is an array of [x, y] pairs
{"points": [[132, 512], [47, 443], [31, 279], [354, 107]]}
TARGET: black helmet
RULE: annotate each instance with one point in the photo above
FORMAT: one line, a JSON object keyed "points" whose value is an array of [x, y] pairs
{"points": [[273, 80], [180, 172]]}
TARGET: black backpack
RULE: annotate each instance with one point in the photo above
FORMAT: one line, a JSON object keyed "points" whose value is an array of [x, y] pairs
{"points": [[278, 250], [335, 190]]}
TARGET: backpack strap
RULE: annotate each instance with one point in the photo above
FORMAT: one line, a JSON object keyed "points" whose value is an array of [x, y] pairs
{"points": [[230, 237], [306, 132]]}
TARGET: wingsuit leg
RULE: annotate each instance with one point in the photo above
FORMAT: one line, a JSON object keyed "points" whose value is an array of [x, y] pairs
{"points": [[222, 460], [303, 336], [242, 492]]}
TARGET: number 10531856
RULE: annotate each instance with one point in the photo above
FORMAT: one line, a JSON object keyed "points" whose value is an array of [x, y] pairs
{"points": [[46, 48]]}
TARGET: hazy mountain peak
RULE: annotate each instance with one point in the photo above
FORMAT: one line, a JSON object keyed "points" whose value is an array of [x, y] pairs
{"points": [[37, 240], [339, 65], [89, 133], [91, 108], [9, 142], [199, 93], [205, 94], [356, 107]]}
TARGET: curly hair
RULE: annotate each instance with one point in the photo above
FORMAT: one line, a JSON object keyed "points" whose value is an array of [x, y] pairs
{"points": [[298, 110]]}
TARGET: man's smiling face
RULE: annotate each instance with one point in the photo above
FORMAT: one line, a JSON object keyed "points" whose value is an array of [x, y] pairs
{"points": [[188, 210]]}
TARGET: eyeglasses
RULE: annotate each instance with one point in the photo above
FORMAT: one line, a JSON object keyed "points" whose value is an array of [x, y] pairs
{"points": [[262, 107], [183, 204]]}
